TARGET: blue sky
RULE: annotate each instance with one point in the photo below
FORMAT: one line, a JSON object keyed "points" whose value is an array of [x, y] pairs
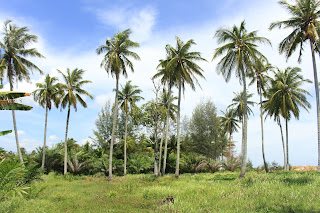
{"points": [[70, 31]]}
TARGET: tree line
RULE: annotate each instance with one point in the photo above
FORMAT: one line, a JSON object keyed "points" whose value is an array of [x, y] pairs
{"points": [[281, 93]]}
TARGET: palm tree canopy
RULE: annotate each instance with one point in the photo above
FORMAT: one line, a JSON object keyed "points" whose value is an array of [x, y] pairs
{"points": [[72, 90], [239, 49], [286, 95], [238, 104], [180, 63], [128, 96], [14, 47], [303, 20], [165, 100], [229, 122], [259, 75], [47, 92], [117, 52]]}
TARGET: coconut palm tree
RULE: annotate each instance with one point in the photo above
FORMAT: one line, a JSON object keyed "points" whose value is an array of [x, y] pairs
{"points": [[229, 124], [14, 48], [116, 61], [171, 113], [169, 78], [47, 93], [238, 104], [285, 95], [240, 53], [304, 21], [72, 92], [128, 97], [181, 62], [260, 77]]}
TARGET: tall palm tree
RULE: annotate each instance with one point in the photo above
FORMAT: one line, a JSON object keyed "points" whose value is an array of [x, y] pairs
{"points": [[115, 61], [182, 63], [47, 93], [128, 97], [260, 77], [168, 77], [229, 124], [171, 113], [285, 96], [72, 92], [240, 54], [238, 104], [304, 21], [14, 46]]}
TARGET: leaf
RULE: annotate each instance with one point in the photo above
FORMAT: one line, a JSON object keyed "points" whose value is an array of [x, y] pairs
{"points": [[2, 133]]}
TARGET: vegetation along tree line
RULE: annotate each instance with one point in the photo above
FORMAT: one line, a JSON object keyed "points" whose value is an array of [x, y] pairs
{"points": [[154, 136]]}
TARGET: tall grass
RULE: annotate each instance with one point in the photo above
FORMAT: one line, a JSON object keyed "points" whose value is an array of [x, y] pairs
{"points": [[218, 192]]}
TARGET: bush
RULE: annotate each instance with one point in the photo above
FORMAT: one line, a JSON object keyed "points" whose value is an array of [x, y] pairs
{"points": [[208, 165], [231, 164], [139, 163], [12, 178], [191, 163]]}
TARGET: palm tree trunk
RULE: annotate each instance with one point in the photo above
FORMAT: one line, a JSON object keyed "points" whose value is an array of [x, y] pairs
{"points": [[156, 157], [65, 143], [230, 157], [287, 146], [115, 114], [44, 140], [283, 146], [178, 132], [316, 84], [262, 139], [244, 130], [14, 114], [125, 146], [166, 139], [160, 150]]}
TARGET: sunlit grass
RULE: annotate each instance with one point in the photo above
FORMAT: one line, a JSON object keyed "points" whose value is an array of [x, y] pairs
{"points": [[219, 192]]}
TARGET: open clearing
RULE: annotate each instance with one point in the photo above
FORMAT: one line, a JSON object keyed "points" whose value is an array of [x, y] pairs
{"points": [[218, 192]]}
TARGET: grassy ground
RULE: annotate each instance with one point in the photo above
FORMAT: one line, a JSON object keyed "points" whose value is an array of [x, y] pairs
{"points": [[219, 192]]}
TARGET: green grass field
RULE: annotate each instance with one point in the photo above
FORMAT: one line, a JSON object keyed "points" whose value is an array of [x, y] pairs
{"points": [[219, 192]]}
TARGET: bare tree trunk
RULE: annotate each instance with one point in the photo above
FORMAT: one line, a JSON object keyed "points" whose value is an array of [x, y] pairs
{"points": [[65, 143], [125, 146], [283, 146], [262, 139], [287, 146], [230, 157], [44, 140], [115, 114], [178, 132], [161, 142], [316, 84], [166, 136], [244, 130], [156, 157], [14, 115]]}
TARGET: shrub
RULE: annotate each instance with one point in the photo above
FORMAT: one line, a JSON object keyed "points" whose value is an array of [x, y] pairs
{"points": [[208, 165], [231, 164], [12, 178]]}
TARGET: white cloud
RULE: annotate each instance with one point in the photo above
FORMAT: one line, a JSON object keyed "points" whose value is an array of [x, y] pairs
{"points": [[20, 132], [30, 144], [139, 21], [84, 141], [53, 138]]}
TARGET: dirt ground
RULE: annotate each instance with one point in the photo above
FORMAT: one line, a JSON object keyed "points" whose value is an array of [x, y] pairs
{"points": [[304, 168]]}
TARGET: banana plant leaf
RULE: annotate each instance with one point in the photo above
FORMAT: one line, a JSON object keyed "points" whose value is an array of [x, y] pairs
{"points": [[8, 95], [2, 133], [14, 106]]}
